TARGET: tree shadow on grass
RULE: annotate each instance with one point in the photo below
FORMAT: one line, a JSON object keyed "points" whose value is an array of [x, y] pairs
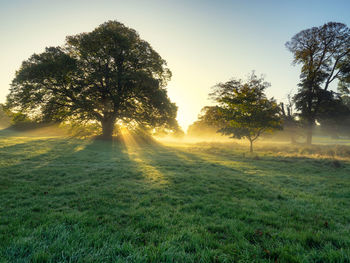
{"points": [[301, 167], [25, 168], [293, 175], [260, 181], [182, 168], [9, 131], [147, 160], [98, 198], [62, 165]]}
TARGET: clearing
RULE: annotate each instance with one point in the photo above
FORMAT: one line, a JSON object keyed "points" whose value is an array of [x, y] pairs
{"points": [[72, 200]]}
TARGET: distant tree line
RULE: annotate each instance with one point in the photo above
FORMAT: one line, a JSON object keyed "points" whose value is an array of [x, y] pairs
{"points": [[243, 111], [110, 77]]}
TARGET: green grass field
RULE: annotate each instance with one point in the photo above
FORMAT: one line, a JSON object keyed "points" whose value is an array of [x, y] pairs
{"points": [[71, 200]]}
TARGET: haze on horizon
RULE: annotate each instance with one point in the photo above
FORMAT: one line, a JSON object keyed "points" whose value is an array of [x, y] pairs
{"points": [[204, 42]]}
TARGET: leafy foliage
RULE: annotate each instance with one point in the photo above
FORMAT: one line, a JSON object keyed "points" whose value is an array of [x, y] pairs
{"points": [[323, 53], [344, 89], [244, 110], [109, 76], [335, 116]]}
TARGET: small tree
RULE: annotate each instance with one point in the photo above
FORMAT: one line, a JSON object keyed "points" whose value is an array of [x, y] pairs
{"points": [[243, 109]]}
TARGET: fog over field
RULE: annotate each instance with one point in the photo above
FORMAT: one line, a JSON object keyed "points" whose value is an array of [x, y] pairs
{"points": [[175, 131]]}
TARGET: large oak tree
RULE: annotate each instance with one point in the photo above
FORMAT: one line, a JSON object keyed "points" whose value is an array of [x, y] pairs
{"points": [[110, 76]]}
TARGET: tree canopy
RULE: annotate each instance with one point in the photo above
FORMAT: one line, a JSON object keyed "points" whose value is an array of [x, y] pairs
{"points": [[323, 53], [109, 76], [243, 110]]}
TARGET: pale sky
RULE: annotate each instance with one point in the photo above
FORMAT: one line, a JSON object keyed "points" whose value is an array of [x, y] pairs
{"points": [[204, 42]]}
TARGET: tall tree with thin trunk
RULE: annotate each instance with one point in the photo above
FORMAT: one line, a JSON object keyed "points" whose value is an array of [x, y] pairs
{"points": [[109, 76], [322, 52]]}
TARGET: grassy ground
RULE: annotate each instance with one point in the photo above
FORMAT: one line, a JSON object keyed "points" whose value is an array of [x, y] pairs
{"points": [[70, 200]]}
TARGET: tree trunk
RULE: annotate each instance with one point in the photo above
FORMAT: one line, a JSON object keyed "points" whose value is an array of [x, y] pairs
{"points": [[107, 128], [309, 129], [251, 146]]}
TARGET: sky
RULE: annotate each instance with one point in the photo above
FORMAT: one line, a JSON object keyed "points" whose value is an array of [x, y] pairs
{"points": [[204, 42]]}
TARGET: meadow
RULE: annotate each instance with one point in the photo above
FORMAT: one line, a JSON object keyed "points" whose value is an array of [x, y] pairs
{"points": [[81, 200]]}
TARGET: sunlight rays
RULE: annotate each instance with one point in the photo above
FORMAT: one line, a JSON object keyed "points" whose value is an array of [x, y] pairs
{"points": [[133, 150]]}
